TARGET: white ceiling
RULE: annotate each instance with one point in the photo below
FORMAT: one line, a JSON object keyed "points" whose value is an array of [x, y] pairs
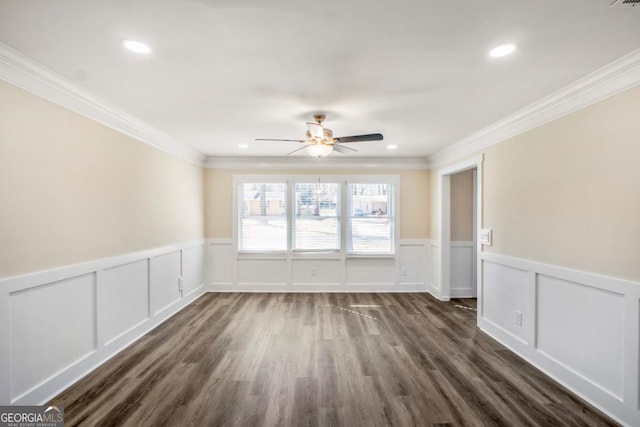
{"points": [[226, 71]]}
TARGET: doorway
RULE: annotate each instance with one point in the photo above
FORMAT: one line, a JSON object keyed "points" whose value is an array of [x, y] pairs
{"points": [[460, 221]]}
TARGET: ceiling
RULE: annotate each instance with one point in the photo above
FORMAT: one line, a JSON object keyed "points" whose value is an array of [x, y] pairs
{"points": [[224, 72]]}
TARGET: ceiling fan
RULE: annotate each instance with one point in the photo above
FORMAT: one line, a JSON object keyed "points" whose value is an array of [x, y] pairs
{"points": [[320, 141]]}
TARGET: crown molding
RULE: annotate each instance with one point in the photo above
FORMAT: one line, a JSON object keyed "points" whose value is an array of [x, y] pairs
{"points": [[616, 77], [331, 162], [24, 72]]}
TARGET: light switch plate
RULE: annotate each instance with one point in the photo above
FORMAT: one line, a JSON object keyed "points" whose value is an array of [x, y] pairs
{"points": [[486, 236]]}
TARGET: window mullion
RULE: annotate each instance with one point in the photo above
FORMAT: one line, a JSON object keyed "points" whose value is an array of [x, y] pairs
{"points": [[290, 206], [345, 210]]}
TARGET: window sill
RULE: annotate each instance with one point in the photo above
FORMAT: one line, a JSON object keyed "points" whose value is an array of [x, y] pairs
{"points": [[389, 256], [262, 255]]}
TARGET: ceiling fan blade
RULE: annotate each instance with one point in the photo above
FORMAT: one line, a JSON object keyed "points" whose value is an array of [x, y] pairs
{"points": [[285, 140], [342, 149], [315, 130], [359, 138], [298, 149]]}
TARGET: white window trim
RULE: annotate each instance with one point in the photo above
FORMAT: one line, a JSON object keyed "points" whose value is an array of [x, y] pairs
{"points": [[343, 180]]}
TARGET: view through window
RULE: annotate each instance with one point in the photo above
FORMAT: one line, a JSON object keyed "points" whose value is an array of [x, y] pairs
{"points": [[316, 220], [370, 222], [263, 217], [350, 217]]}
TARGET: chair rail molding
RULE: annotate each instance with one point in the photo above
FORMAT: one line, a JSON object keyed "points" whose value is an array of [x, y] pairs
{"points": [[58, 325], [580, 328]]}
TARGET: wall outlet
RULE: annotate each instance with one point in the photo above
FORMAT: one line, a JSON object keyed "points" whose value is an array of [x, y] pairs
{"points": [[180, 284], [405, 272], [519, 318], [313, 272]]}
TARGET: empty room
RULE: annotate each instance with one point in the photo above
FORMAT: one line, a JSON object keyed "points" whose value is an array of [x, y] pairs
{"points": [[336, 213]]}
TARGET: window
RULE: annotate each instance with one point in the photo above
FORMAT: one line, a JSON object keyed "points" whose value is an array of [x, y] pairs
{"points": [[263, 217], [345, 215], [316, 222], [370, 226]]}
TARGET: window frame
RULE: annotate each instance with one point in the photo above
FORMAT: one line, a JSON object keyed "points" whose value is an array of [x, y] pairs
{"points": [[343, 211]]}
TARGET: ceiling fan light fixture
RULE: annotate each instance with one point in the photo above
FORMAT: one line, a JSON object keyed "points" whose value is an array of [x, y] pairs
{"points": [[319, 150], [315, 130]]}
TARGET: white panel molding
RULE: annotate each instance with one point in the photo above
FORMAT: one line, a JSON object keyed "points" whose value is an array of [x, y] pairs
{"points": [[123, 297], [331, 162], [106, 335], [618, 76], [225, 270], [461, 276], [594, 376], [25, 73]]}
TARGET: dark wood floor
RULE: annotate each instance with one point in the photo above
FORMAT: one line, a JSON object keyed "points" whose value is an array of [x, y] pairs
{"points": [[312, 359]]}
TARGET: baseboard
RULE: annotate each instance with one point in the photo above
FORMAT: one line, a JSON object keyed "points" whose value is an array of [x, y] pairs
{"points": [[101, 307], [621, 414], [49, 389], [461, 293], [318, 288], [581, 329]]}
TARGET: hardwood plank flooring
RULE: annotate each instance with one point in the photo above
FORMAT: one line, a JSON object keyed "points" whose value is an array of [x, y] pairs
{"points": [[314, 360]]}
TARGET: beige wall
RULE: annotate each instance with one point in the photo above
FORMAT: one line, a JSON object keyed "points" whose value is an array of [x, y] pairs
{"points": [[72, 190], [414, 198], [568, 193], [462, 206]]}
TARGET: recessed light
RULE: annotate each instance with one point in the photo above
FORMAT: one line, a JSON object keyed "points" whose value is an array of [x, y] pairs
{"points": [[243, 146], [503, 50], [136, 46], [392, 147]]}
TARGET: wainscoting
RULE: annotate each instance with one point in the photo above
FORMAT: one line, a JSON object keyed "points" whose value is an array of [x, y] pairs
{"points": [[462, 257], [404, 272], [581, 329], [462, 270], [58, 325]]}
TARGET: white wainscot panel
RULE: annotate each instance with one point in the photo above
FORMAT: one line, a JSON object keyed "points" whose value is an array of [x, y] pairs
{"points": [[165, 273], [371, 270], [592, 320], [52, 326], [192, 268], [316, 271], [124, 298], [434, 256], [221, 262], [461, 269], [504, 294], [412, 263], [262, 271]]}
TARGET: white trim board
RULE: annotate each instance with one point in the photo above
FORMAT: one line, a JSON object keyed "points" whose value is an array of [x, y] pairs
{"points": [[318, 288], [106, 304], [405, 271], [25, 73], [616, 77], [554, 334]]}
